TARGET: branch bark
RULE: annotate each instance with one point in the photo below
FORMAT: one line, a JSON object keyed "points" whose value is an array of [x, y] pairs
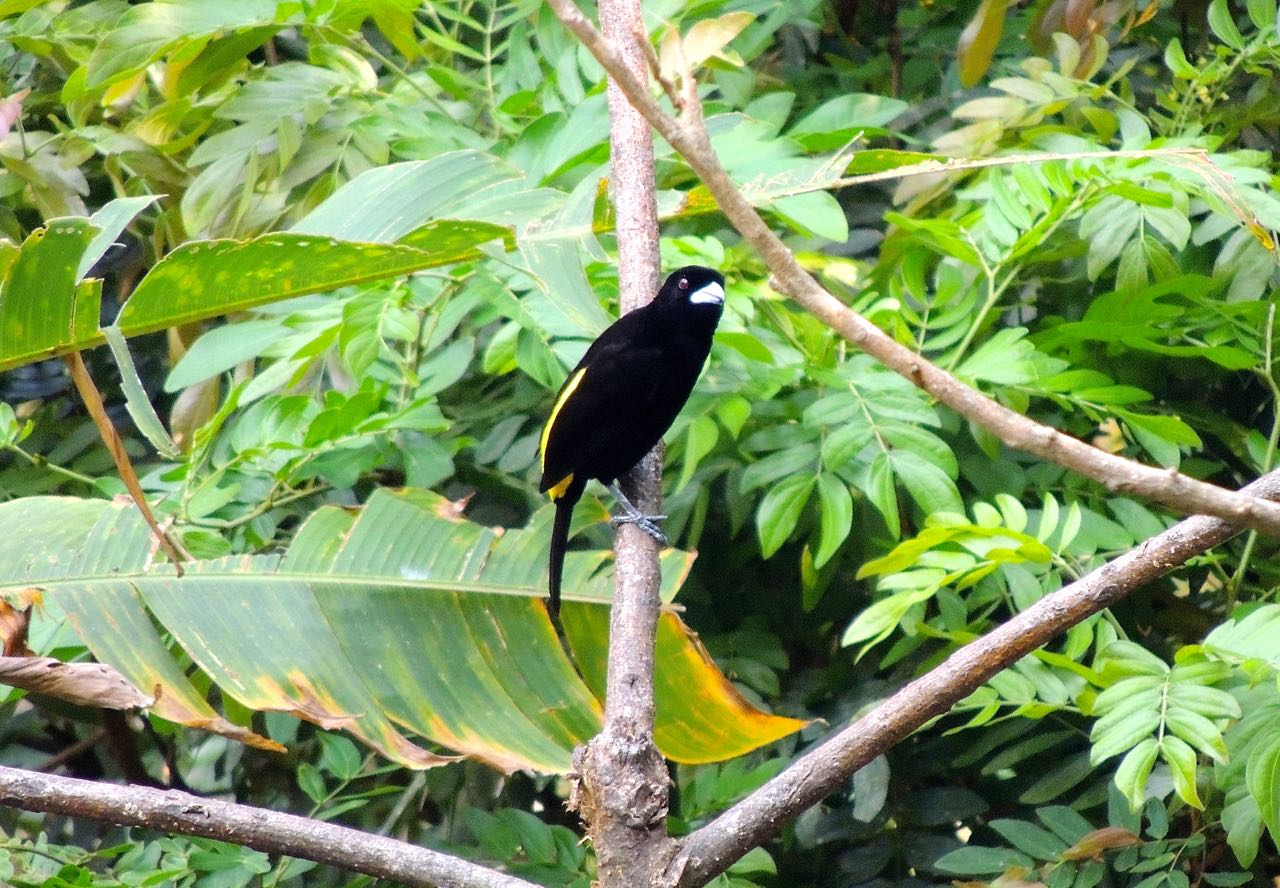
{"points": [[709, 850], [688, 135], [622, 780], [269, 831]]}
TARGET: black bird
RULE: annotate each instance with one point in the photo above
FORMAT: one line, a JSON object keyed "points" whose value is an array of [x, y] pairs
{"points": [[622, 397]]}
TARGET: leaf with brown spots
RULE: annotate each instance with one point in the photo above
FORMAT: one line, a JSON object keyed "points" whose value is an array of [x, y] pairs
{"points": [[397, 619]]}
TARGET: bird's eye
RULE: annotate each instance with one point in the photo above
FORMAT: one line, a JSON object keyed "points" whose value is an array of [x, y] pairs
{"points": [[684, 284]]}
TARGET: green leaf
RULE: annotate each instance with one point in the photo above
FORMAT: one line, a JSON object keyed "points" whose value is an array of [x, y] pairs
{"points": [[1262, 776], [757, 860], [136, 400], [1197, 731], [220, 349], [878, 485], [311, 782], [42, 312], [700, 440], [110, 221], [1029, 838], [339, 756], [333, 629], [42, 302], [837, 516], [1126, 658], [817, 213], [1161, 435], [1243, 822], [1182, 765], [1066, 823], [836, 121], [1263, 15], [146, 32], [928, 485], [1176, 61], [1007, 358], [1223, 24], [777, 466], [1135, 770], [1131, 715], [779, 511], [875, 623], [974, 860]]}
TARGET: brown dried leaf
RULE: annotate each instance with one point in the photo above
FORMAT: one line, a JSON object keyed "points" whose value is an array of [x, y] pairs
{"points": [[979, 39], [13, 631], [1078, 18], [451, 510], [219, 725], [85, 684]]}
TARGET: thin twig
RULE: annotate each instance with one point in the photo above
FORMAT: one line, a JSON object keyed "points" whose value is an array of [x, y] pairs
{"points": [[115, 446], [689, 136], [270, 831], [75, 750]]}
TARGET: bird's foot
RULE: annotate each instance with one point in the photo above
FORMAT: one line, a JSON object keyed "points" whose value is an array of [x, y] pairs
{"points": [[632, 515], [647, 523]]}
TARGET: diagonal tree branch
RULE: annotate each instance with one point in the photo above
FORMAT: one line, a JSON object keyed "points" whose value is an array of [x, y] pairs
{"points": [[688, 135], [709, 850], [269, 831], [622, 787]]}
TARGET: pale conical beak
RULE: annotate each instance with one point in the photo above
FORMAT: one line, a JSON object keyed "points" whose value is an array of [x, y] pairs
{"points": [[708, 294]]}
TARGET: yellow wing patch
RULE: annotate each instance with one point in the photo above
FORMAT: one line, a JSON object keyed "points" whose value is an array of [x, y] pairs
{"points": [[555, 411], [558, 490]]}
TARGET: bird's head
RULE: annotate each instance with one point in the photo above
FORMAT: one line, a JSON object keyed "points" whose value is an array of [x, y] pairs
{"points": [[694, 285]]}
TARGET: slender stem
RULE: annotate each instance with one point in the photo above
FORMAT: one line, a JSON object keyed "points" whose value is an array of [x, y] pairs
{"points": [[115, 446], [41, 462], [1268, 458], [270, 502], [995, 291]]}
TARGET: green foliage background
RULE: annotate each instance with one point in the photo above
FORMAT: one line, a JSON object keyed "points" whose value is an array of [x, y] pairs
{"points": [[850, 532]]}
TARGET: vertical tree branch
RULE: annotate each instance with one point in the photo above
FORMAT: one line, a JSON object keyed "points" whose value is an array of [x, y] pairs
{"points": [[622, 793]]}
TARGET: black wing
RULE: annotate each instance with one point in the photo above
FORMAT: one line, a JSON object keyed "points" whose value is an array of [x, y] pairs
{"points": [[606, 418]]}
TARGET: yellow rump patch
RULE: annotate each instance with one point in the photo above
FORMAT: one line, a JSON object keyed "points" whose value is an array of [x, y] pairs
{"points": [[558, 490], [555, 411]]}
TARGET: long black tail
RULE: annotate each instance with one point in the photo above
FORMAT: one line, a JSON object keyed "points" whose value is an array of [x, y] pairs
{"points": [[559, 542]]}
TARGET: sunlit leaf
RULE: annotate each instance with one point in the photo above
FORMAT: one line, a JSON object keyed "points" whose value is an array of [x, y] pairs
{"points": [[399, 615]]}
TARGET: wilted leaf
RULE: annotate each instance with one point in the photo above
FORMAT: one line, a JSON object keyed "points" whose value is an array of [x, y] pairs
{"points": [[85, 684], [13, 630], [979, 39]]}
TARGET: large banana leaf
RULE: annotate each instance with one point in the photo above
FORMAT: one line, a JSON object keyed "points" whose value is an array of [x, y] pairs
{"points": [[390, 221], [400, 615]]}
